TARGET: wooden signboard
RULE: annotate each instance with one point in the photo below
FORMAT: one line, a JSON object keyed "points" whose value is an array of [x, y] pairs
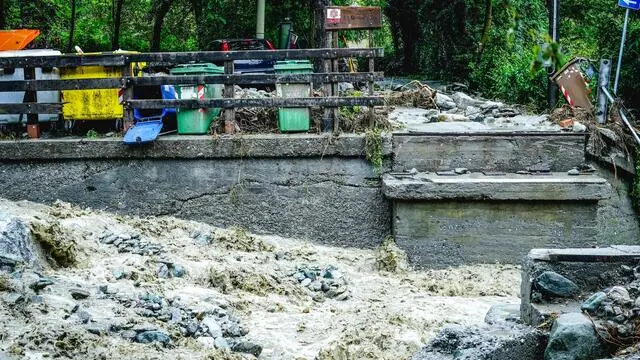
{"points": [[352, 17]]}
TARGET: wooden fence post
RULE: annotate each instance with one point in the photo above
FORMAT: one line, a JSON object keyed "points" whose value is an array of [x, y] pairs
{"points": [[128, 95], [229, 93], [31, 96]]}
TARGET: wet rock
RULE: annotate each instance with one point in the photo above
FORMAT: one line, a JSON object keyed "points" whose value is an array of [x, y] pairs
{"points": [[177, 271], [573, 172], [36, 299], [40, 284], [573, 338], [162, 271], [578, 127], [191, 328], [97, 330], [554, 284], [593, 302], [501, 313], [444, 102], [495, 342], [118, 274], [207, 341], [79, 294], [128, 335], [619, 295], [12, 299], [16, 245], [212, 324], [145, 327], [148, 337], [452, 118], [463, 100], [83, 316], [246, 347], [221, 343], [461, 171]]}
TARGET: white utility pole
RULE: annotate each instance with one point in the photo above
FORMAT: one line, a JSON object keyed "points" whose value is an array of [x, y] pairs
{"points": [[260, 20]]}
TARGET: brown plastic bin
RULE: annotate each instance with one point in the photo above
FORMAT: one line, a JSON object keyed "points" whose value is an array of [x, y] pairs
{"points": [[573, 85]]}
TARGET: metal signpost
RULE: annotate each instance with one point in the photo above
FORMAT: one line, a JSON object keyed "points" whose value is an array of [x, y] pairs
{"points": [[629, 5]]}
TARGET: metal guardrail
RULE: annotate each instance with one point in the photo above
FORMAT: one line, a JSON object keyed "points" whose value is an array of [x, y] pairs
{"points": [[229, 79]]}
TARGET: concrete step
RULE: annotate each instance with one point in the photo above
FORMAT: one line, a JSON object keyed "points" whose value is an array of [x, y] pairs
{"points": [[452, 220], [508, 152]]}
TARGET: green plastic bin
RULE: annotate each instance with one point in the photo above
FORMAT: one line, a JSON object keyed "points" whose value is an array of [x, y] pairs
{"points": [[197, 121], [293, 119]]}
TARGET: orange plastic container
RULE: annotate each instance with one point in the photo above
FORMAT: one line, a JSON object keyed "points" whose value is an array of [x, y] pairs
{"points": [[17, 39]]}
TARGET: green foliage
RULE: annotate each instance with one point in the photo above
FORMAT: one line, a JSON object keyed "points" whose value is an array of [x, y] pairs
{"points": [[635, 193], [373, 148], [92, 134]]}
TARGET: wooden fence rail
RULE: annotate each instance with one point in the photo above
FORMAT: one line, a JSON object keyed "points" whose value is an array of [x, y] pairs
{"points": [[130, 63]]}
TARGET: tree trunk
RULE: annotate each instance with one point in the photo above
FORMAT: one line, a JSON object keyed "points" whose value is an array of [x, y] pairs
{"points": [[488, 19], [72, 26], [317, 9], [3, 21], [117, 20], [161, 12]]}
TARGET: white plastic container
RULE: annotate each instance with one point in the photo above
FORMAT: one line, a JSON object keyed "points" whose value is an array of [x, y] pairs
{"points": [[18, 96]]}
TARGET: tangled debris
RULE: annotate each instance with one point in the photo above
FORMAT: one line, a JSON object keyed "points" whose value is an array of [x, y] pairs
{"points": [[59, 247], [414, 94], [390, 257]]}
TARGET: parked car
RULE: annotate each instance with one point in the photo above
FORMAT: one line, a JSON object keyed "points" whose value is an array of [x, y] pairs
{"points": [[247, 66]]}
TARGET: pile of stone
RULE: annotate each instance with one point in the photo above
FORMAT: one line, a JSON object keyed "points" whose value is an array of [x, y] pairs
{"points": [[130, 243], [608, 322], [327, 282]]}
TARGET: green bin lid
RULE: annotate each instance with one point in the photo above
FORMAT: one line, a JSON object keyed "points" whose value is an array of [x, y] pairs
{"points": [[205, 68], [293, 65]]}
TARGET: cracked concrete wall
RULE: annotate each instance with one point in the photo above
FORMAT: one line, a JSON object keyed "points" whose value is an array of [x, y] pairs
{"points": [[330, 200]]}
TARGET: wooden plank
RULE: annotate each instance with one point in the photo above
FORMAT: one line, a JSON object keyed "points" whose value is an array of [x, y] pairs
{"points": [[220, 56], [262, 102], [31, 108], [256, 79], [247, 79], [353, 17], [184, 57], [63, 61], [53, 85]]}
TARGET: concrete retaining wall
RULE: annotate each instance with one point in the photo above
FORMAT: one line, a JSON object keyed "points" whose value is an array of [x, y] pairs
{"points": [[481, 152], [438, 234], [329, 193]]}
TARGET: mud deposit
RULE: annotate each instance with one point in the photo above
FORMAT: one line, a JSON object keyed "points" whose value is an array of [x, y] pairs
{"points": [[102, 286]]}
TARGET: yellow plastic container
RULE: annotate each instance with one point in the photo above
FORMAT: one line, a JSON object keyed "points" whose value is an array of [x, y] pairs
{"points": [[96, 104]]}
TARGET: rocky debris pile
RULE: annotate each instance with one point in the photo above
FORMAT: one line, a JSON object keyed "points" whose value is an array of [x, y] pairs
{"points": [[325, 282], [457, 106], [608, 322], [130, 243], [501, 338]]}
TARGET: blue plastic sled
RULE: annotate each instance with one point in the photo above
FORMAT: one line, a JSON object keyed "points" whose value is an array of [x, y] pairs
{"points": [[147, 129]]}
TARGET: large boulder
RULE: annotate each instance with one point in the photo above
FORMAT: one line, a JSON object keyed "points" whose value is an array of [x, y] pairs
{"points": [[16, 245], [554, 284], [573, 337], [463, 100], [500, 341]]}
